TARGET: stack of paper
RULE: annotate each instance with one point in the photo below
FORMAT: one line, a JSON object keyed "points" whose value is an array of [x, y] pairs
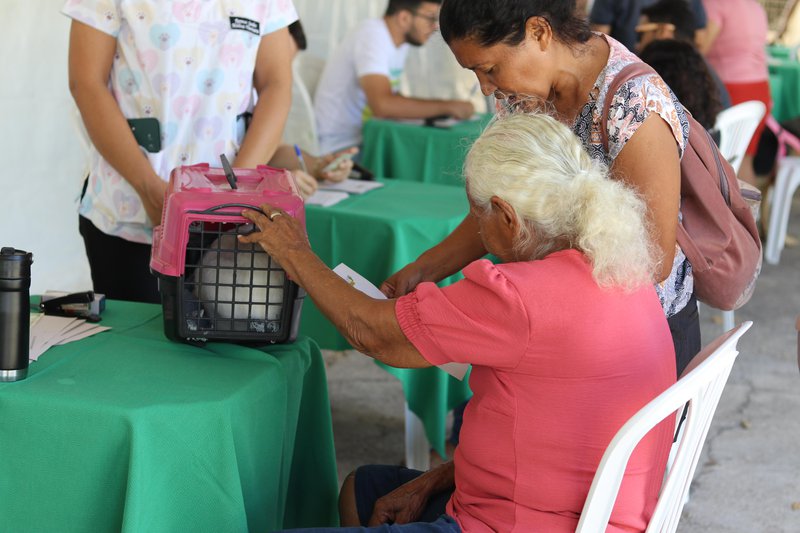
{"points": [[47, 331], [326, 198], [331, 193], [350, 186]]}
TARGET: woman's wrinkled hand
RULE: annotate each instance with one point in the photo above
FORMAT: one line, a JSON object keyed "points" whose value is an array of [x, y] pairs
{"points": [[403, 281], [340, 171], [280, 234], [403, 505]]}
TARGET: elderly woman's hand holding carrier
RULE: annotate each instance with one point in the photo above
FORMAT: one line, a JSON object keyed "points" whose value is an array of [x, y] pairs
{"points": [[566, 337]]}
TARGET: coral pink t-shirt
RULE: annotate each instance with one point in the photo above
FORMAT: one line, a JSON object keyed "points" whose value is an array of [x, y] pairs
{"points": [[738, 53], [559, 365]]}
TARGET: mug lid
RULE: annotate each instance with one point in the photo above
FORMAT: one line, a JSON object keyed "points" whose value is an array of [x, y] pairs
{"points": [[15, 263]]}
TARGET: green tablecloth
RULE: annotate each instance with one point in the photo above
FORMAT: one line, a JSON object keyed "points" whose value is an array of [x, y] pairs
{"points": [[127, 431], [376, 234], [419, 153], [784, 82]]}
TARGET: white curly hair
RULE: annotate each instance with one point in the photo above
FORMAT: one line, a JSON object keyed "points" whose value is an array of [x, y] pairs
{"points": [[560, 195]]}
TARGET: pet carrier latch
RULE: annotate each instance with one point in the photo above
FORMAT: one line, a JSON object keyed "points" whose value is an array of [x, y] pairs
{"points": [[226, 166]]}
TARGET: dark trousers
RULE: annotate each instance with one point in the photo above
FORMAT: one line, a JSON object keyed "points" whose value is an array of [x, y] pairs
{"points": [[374, 481], [685, 329], [120, 268]]}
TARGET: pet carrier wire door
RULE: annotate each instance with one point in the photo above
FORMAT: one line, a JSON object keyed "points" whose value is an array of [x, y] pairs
{"points": [[214, 287]]}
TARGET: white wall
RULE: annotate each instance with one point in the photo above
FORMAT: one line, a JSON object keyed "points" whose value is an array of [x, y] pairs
{"points": [[41, 155]]}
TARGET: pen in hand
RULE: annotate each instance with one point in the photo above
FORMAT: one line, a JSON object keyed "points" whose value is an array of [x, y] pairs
{"points": [[300, 158]]}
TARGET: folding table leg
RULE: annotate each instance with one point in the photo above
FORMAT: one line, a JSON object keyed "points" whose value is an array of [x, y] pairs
{"points": [[417, 447], [727, 320]]}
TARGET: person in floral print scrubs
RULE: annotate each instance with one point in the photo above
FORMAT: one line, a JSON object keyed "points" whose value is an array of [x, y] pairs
{"points": [[192, 66]]}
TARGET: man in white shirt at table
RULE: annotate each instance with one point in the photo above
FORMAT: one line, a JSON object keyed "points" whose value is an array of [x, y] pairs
{"points": [[361, 77]]}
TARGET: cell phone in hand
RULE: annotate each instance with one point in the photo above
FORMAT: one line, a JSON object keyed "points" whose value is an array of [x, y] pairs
{"points": [[431, 121], [361, 173], [339, 159]]}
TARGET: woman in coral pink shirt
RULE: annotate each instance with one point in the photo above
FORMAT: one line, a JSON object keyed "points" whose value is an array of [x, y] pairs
{"points": [[566, 337], [736, 37]]}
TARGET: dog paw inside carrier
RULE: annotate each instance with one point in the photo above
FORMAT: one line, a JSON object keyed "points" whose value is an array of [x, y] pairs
{"points": [[214, 287]]}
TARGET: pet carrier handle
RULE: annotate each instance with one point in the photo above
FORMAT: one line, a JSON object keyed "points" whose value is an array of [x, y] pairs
{"points": [[211, 210], [228, 171]]}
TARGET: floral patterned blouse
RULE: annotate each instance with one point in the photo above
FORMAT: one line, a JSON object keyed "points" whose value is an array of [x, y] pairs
{"points": [[630, 107]]}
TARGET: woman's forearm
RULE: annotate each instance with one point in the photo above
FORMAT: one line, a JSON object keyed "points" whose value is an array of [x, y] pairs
{"points": [[369, 325], [441, 478], [112, 137], [265, 131], [272, 81], [456, 251], [286, 157], [91, 55]]}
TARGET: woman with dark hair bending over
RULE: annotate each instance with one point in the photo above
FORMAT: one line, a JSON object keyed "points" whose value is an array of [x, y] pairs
{"points": [[534, 54], [566, 337]]}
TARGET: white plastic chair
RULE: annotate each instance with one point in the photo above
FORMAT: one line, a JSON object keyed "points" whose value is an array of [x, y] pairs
{"points": [[701, 386], [301, 126], [418, 455], [736, 126], [787, 180], [308, 68]]}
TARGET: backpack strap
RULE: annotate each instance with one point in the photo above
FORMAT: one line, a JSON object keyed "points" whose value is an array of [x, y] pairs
{"points": [[628, 72]]}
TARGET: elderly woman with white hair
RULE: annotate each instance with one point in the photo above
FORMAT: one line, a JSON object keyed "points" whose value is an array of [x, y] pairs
{"points": [[566, 337]]}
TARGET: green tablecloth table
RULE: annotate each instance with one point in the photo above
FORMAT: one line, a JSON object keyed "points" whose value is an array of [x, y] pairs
{"points": [[419, 153], [127, 431], [376, 234], [784, 82]]}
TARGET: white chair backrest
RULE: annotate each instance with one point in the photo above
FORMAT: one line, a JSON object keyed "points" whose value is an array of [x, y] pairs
{"points": [[301, 126], [308, 68], [736, 126], [701, 386]]}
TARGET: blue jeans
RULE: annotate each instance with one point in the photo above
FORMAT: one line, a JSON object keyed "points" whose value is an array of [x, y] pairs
{"points": [[444, 524], [375, 481]]}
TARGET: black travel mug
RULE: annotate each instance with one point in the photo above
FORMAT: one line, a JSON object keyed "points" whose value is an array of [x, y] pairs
{"points": [[15, 284]]}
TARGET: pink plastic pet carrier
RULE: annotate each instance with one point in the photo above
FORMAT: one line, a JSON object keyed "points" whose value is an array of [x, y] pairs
{"points": [[214, 287]]}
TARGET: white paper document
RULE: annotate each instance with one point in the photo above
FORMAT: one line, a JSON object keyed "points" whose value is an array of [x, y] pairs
{"points": [[48, 330], [358, 281], [326, 198], [350, 186], [457, 370]]}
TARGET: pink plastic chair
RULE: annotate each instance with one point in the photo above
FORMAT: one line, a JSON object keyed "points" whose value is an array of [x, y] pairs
{"points": [[787, 180]]}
